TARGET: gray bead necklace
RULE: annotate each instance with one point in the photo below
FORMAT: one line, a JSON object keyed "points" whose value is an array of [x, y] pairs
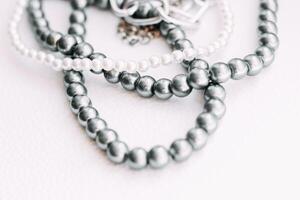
{"points": [[206, 123], [138, 158], [199, 73]]}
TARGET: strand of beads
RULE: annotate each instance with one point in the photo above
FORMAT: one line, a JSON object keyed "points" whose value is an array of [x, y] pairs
{"points": [[146, 86], [158, 156], [80, 64]]}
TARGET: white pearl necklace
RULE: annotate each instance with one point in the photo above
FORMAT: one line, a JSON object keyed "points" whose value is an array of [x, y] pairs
{"points": [[59, 63]]}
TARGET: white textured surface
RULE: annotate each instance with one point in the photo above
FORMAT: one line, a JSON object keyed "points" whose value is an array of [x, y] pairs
{"points": [[44, 154]]}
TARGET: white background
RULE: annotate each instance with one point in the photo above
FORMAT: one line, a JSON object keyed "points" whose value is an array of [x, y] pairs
{"points": [[45, 154]]}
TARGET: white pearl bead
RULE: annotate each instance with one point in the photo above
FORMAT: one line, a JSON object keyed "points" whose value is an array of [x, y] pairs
{"points": [[177, 56], [155, 61], [86, 64], [121, 65], [96, 65], [67, 63], [143, 65], [132, 66], [189, 54], [57, 64], [167, 59], [108, 64], [77, 64], [49, 58], [41, 56]]}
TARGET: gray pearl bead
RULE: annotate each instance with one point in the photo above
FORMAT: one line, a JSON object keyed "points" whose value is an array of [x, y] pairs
{"points": [[269, 40], [77, 29], [198, 78], [220, 72], [83, 50], [105, 4], [137, 158], [144, 86], [162, 89], [268, 15], [85, 114], [174, 35], [79, 4], [104, 137], [97, 56], [180, 150], [214, 91], [180, 86], [183, 44], [79, 39], [198, 63], [216, 107], [36, 13], [269, 5], [266, 54], [73, 77], [238, 67], [40, 31], [66, 44], [34, 5], [207, 121], [128, 80], [165, 27], [158, 157], [117, 152], [112, 76], [267, 27], [93, 126], [78, 16], [40, 22], [75, 89], [255, 64], [197, 137], [52, 39], [79, 102]]}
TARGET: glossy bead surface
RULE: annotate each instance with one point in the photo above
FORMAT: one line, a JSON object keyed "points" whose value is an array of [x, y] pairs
{"points": [[216, 107], [268, 15], [83, 50], [267, 27], [79, 102], [174, 35], [165, 27], [79, 4], [85, 114], [180, 150], [73, 77], [104, 137], [117, 152], [269, 40], [198, 78], [93, 126], [180, 86], [207, 121], [197, 137], [77, 29], [144, 86], [269, 5], [128, 80], [158, 157], [266, 54], [220, 72], [199, 63], [52, 39], [76, 89], [112, 76], [182, 44], [137, 158], [238, 67], [215, 91], [66, 44], [162, 89], [255, 64], [102, 4], [78, 16], [40, 22]]}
